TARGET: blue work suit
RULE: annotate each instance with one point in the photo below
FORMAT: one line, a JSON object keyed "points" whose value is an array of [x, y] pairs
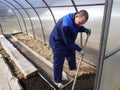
{"points": [[62, 41]]}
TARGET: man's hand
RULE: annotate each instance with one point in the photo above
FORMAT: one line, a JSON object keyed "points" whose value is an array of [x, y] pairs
{"points": [[88, 32], [81, 52]]}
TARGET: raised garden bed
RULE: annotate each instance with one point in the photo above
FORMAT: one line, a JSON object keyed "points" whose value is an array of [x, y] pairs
{"points": [[86, 74]]}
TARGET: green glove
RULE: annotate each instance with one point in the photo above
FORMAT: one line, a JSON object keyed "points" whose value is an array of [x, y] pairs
{"points": [[88, 31], [81, 52]]}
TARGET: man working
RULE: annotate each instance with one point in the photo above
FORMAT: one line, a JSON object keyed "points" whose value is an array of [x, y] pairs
{"points": [[62, 42]]}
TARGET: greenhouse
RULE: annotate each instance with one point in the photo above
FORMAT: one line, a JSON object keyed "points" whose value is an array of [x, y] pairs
{"points": [[27, 59]]}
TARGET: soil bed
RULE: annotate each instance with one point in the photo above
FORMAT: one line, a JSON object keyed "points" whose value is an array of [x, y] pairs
{"points": [[86, 76]]}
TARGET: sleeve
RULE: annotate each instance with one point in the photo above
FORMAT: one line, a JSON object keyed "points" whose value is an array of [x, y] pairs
{"points": [[68, 36], [82, 29]]}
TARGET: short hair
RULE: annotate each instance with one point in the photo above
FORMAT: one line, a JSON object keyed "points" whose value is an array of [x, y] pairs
{"points": [[84, 13]]}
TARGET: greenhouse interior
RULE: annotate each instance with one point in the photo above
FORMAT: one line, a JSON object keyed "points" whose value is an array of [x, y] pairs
{"points": [[26, 57]]}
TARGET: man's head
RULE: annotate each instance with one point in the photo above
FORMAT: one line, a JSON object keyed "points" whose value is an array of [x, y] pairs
{"points": [[81, 17]]}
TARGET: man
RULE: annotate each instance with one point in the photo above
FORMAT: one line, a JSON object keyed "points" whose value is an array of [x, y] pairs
{"points": [[62, 42]]}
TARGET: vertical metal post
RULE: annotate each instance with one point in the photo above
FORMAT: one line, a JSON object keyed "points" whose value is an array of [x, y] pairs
{"points": [[103, 42], [1, 29]]}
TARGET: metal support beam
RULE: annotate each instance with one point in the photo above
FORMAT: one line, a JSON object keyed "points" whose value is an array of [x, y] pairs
{"points": [[1, 28], [103, 42], [107, 55], [50, 10]]}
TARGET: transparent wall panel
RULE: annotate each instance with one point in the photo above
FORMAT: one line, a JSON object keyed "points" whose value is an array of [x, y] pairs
{"points": [[3, 6], [95, 24], [13, 6], [8, 20], [61, 11], [58, 2], [10, 25], [111, 73], [21, 21], [27, 22], [47, 21], [36, 23], [3, 11], [114, 29], [23, 3], [37, 3], [82, 2], [11, 2]]}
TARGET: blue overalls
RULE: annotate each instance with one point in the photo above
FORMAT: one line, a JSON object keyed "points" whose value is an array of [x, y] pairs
{"points": [[62, 42]]}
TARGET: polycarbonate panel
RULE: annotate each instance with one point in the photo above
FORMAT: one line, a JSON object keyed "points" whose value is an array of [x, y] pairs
{"points": [[58, 2], [36, 23], [111, 73], [37, 3], [47, 21], [27, 22], [3, 11], [114, 29], [82, 2], [10, 25], [60, 12], [21, 21], [23, 3], [95, 24], [18, 14], [12, 2], [8, 20]]}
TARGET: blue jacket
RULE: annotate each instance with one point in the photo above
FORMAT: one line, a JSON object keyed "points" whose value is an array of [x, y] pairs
{"points": [[64, 33]]}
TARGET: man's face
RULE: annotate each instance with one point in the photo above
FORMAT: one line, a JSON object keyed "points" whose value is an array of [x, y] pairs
{"points": [[80, 20]]}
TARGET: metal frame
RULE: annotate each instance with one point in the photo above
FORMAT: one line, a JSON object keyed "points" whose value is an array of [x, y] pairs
{"points": [[74, 5], [44, 40], [91, 4], [49, 10], [19, 13], [107, 55], [103, 42], [15, 15], [1, 28], [27, 15], [104, 34]]}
